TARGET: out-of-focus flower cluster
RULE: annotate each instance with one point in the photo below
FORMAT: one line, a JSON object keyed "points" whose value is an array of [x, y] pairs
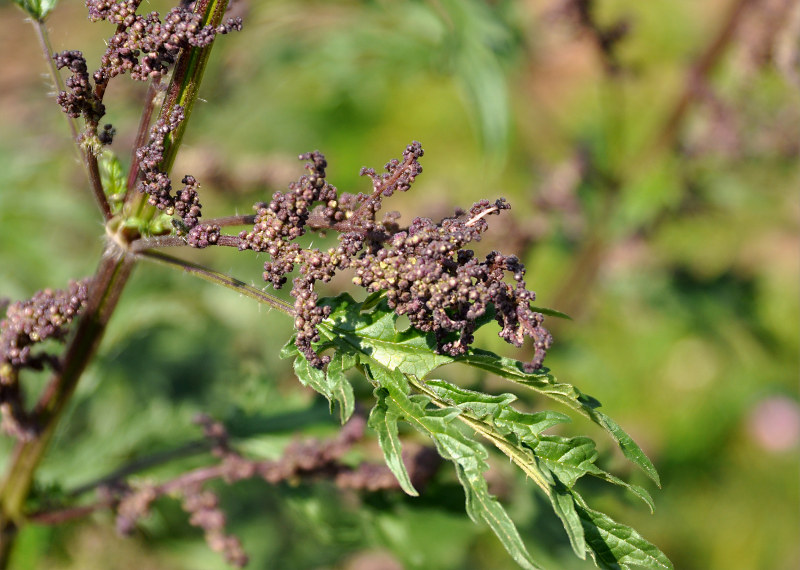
{"points": [[308, 459], [47, 315]]}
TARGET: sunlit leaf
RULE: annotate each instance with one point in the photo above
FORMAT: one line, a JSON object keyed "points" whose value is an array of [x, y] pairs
{"points": [[383, 421], [397, 363], [614, 545], [566, 394], [468, 456]]}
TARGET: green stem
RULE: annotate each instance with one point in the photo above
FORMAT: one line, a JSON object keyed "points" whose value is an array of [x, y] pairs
{"points": [[113, 272], [220, 279], [183, 91], [89, 159]]}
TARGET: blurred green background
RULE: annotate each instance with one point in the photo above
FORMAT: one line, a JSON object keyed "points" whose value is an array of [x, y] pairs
{"points": [[650, 153]]}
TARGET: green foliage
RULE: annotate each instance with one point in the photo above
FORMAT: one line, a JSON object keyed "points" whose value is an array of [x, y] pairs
{"points": [[397, 363], [113, 177], [37, 9]]}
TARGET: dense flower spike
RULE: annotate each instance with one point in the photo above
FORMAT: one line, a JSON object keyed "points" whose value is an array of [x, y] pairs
{"points": [[155, 182], [425, 270], [47, 315]]}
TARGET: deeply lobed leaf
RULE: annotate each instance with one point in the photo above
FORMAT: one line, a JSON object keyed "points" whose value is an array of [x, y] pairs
{"points": [[397, 363]]}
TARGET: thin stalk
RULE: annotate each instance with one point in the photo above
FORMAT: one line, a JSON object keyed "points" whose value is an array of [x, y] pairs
{"points": [[47, 52], [141, 135], [156, 242], [220, 279], [89, 159]]}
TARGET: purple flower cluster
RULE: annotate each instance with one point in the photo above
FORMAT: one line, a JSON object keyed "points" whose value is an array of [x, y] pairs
{"points": [[47, 315], [425, 270], [157, 184], [146, 46], [81, 99]]}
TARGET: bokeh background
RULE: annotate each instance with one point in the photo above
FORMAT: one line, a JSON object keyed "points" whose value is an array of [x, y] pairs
{"points": [[650, 153]]}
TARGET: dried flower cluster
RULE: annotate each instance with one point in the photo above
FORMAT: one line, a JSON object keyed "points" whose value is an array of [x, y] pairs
{"points": [[46, 315], [426, 271], [309, 459]]}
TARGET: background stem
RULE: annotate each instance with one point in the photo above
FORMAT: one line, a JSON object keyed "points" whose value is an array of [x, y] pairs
{"points": [[112, 274]]}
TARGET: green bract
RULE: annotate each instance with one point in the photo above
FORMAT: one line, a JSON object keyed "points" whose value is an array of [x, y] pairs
{"points": [[364, 336], [37, 9]]}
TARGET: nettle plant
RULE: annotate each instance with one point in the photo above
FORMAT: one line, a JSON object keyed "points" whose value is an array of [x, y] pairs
{"points": [[424, 271]]}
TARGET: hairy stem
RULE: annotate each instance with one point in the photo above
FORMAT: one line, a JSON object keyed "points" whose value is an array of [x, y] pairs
{"points": [[112, 274], [89, 159], [220, 279]]}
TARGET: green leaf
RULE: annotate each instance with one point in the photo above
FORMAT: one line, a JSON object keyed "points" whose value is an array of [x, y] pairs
{"points": [[375, 335], [468, 456], [37, 9], [384, 422], [312, 377], [551, 312], [566, 394], [289, 350], [331, 383], [614, 545], [567, 458], [113, 179], [397, 362], [339, 385], [496, 407]]}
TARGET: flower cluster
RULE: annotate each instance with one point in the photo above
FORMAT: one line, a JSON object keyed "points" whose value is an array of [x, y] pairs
{"points": [[46, 315], [146, 46], [443, 288], [81, 99], [157, 184], [308, 459], [286, 217], [425, 270]]}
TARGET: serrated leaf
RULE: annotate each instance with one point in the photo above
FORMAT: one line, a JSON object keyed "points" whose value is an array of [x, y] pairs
{"points": [[331, 383], [384, 423], [568, 458], [311, 376], [496, 407], [339, 385], [614, 545], [566, 394], [37, 9], [375, 335], [396, 362], [111, 173], [468, 456]]}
